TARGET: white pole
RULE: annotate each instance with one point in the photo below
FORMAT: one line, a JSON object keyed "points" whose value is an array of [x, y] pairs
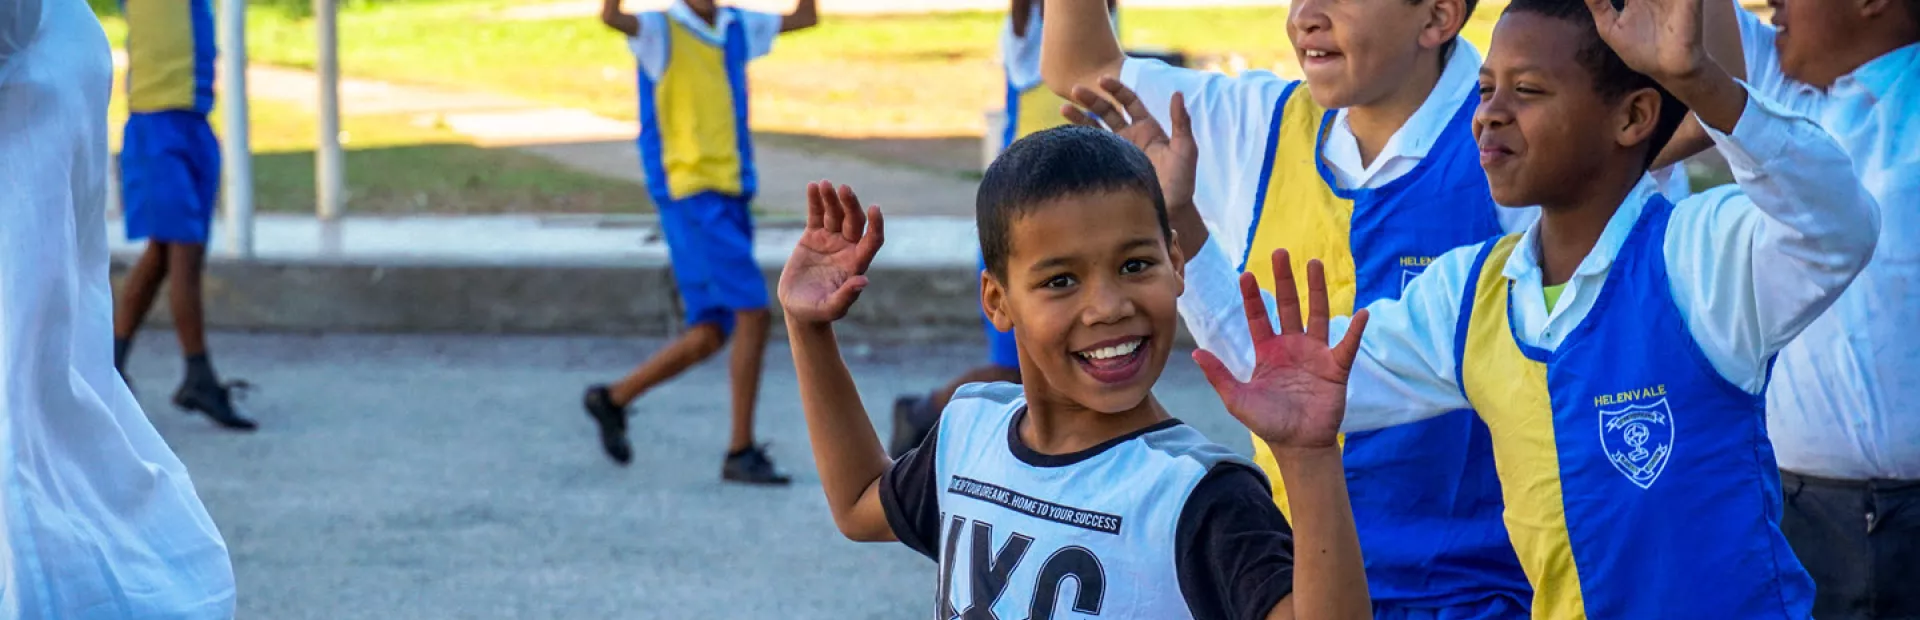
{"points": [[236, 145], [329, 173]]}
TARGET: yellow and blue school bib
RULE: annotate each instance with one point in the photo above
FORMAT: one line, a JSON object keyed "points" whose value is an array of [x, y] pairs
{"points": [[1639, 482], [170, 54], [1031, 110], [1426, 499], [693, 119]]}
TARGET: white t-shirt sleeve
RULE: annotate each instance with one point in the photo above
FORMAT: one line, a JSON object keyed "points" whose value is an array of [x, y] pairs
{"points": [[1406, 370], [1232, 116], [1214, 311], [19, 22], [762, 29], [649, 46]]}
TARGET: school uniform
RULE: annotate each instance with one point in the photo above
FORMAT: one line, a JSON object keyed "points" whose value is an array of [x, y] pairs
{"points": [[1288, 173], [697, 151], [100, 518], [1841, 407], [169, 157], [1157, 524], [1627, 419]]}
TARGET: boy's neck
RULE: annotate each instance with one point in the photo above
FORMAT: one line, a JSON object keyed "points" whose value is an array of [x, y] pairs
{"points": [[1065, 427], [707, 12], [1569, 231], [1375, 123]]}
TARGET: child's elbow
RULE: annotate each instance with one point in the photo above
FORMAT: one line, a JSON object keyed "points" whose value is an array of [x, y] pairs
{"points": [[862, 532]]}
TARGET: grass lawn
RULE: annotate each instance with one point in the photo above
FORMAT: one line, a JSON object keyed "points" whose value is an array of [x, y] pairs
{"points": [[852, 77]]}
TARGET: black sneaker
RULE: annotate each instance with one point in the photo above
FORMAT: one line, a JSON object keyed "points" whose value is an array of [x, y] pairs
{"points": [[752, 467], [215, 400], [613, 424], [910, 425]]}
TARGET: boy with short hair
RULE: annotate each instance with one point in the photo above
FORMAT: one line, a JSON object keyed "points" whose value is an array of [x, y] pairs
{"points": [[1618, 348], [1840, 406], [1079, 473], [1368, 164], [697, 149], [169, 176]]}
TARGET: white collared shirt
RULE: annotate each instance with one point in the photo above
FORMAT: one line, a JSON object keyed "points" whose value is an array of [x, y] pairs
{"points": [[1845, 399], [1750, 267], [649, 47], [98, 518]]}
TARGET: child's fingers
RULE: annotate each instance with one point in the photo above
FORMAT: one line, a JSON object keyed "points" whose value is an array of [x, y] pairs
{"points": [[1316, 301], [1286, 294], [848, 292], [1216, 372], [1349, 347], [1076, 116], [1099, 106], [814, 207], [1603, 12], [831, 211], [876, 237], [1130, 101], [1182, 120], [1256, 308], [855, 220]]}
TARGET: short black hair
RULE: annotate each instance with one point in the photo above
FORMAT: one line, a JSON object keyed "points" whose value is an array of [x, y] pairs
{"points": [[1612, 78], [1051, 164]]}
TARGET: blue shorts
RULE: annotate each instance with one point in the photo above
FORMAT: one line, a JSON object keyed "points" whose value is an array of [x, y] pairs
{"points": [[1001, 350], [169, 175], [710, 242]]}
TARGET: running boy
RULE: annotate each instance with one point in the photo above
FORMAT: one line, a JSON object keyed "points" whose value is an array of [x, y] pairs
{"points": [[697, 150], [1618, 348], [1030, 108], [1368, 165], [169, 175], [1079, 473]]}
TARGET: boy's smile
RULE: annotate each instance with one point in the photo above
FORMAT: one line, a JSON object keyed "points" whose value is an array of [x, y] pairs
{"points": [[1090, 289]]}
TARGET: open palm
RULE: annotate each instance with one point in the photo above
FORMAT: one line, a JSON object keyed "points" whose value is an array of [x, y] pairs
{"points": [[828, 267], [1660, 38], [1175, 156], [1297, 393]]}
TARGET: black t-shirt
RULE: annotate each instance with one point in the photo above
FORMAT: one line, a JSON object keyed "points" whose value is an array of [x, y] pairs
{"points": [[1234, 550]]}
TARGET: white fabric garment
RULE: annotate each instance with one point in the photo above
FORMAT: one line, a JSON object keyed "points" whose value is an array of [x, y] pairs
{"points": [[1845, 398], [1020, 55], [1750, 267], [100, 517], [649, 47]]}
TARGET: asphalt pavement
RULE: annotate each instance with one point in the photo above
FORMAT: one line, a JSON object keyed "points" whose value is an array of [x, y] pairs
{"points": [[401, 477]]}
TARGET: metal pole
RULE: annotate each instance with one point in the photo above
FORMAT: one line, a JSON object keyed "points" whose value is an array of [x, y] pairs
{"points": [[329, 164], [236, 145]]}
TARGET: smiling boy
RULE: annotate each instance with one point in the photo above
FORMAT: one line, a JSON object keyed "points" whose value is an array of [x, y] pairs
{"points": [[1618, 349]]}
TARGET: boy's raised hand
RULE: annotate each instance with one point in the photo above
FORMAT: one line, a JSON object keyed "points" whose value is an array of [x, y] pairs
{"points": [[1297, 395], [1660, 38], [828, 268], [1174, 156]]}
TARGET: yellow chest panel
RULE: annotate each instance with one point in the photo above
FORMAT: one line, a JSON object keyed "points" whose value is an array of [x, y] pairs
{"points": [[160, 55], [1510, 392], [699, 133], [1039, 110]]}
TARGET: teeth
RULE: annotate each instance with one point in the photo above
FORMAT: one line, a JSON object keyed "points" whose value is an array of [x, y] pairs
{"points": [[1104, 353], [1316, 54]]}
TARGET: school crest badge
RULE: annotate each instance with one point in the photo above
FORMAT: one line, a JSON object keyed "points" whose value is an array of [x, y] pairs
{"points": [[1638, 440]]}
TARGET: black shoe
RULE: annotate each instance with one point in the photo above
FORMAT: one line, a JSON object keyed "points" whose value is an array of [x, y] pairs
{"points": [[215, 400], [613, 424], [752, 467], [910, 425]]}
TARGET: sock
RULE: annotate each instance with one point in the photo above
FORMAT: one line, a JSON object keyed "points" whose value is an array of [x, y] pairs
{"points": [[120, 346], [200, 370]]}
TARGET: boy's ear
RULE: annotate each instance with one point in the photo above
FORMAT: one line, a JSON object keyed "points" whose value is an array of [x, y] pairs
{"points": [[1177, 258], [1444, 21], [993, 299], [1636, 116]]}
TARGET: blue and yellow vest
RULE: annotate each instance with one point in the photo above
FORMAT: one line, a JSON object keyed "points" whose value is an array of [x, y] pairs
{"points": [[693, 119], [1639, 482], [1426, 499], [1031, 110], [170, 54]]}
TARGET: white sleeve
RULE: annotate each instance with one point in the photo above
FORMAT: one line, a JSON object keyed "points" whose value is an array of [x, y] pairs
{"points": [[1406, 371], [19, 23], [1231, 119], [762, 29], [1763, 59], [1752, 266], [1214, 312], [649, 46]]}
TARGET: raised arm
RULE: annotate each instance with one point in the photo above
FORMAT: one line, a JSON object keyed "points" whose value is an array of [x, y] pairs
{"points": [[617, 19], [804, 16], [819, 284], [1721, 35], [1081, 46], [1295, 401]]}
